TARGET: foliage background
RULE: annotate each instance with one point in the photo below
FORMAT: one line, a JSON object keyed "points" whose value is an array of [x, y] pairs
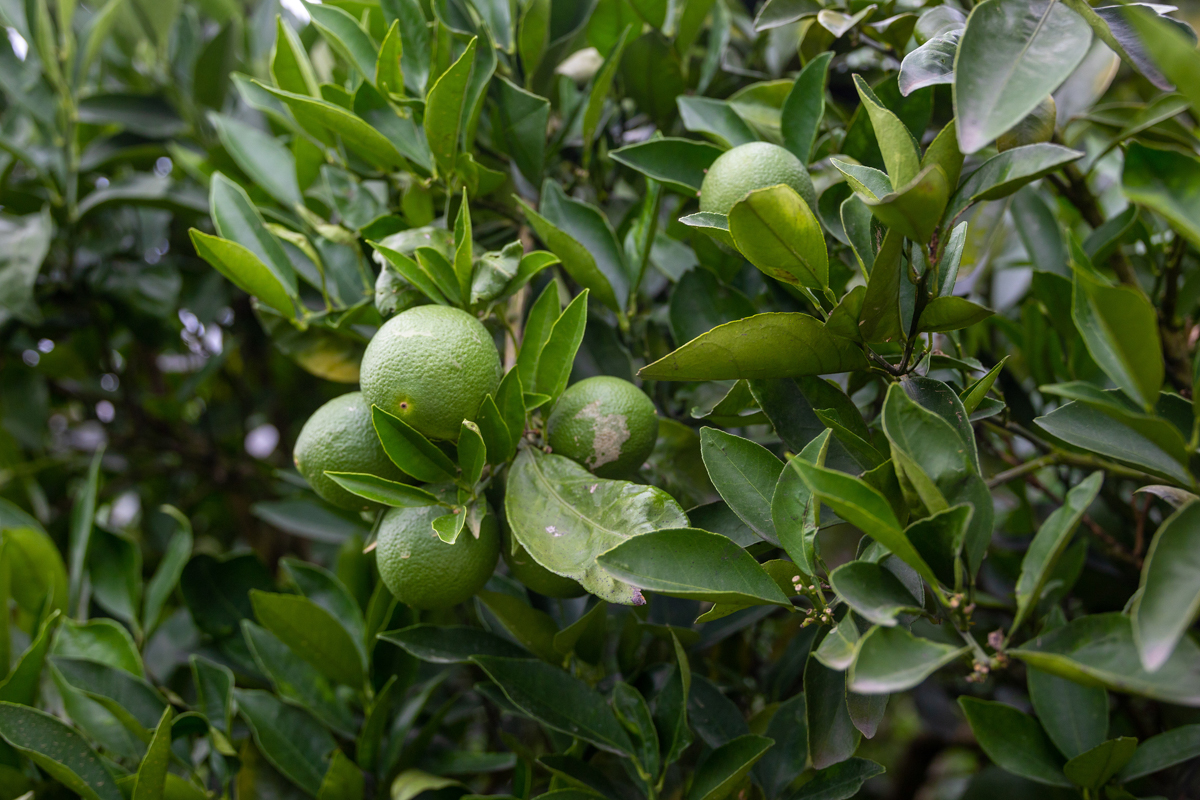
{"points": [[145, 401]]}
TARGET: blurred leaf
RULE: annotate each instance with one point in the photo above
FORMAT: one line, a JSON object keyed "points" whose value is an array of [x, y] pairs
{"points": [[262, 157], [1162, 751], [840, 781], [930, 64], [152, 772], [1132, 359], [59, 750], [1168, 599], [83, 513], [997, 726], [450, 644], [290, 738], [1167, 182], [523, 117], [1091, 770], [602, 83], [534, 629], [558, 700]]}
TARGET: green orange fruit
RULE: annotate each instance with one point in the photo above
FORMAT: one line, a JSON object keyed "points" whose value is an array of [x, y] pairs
{"points": [[339, 437], [431, 366], [747, 167], [424, 572], [606, 424]]}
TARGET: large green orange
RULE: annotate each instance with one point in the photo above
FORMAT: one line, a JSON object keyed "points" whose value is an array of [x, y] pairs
{"points": [[606, 424], [431, 366], [424, 572], [339, 437], [747, 167]]}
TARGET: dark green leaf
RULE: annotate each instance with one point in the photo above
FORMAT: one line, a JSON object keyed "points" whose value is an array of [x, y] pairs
{"points": [[1091, 770], [312, 633], [805, 105], [726, 766], [745, 474], [1014, 741], [873, 591], [1168, 182], [1074, 716], [894, 660], [678, 163], [1120, 328], [290, 738], [450, 644], [1163, 751], [840, 781], [59, 750], [383, 491], [410, 451], [832, 737]]}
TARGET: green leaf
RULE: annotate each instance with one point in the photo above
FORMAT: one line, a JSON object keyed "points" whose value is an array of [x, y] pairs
{"points": [[1167, 182], [445, 108], [832, 736], [894, 660], [37, 571], [134, 701], [346, 37], [777, 13], [873, 591], [152, 772], [383, 491], [450, 644], [263, 158], [22, 683], [711, 224], [296, 680], [389, 71], [327, 590], [1099, 650], [1091, 429], [863, 506], [1050, 543], [930, 64], [840, 781], [634, 715], [342, 781], [974, 394], [534, 629], [745, 474], [1091, 770], [244, 269], [880, 318], [567, 220], [401, 132], [1074, 716], [329, 120], [557, 356], [867, 181], [777, 231], [1014, 741], [602, 83], [1173, 51], [166, 577], [680, 164], [214, 692], [951, 313], [472, 452], [692, 564], [1005, 173], [805, 106], [79, 535], [772, 345], [290, 68], [60, 751], [901, 154], [312, 633], [1162, 751], [565, 517], [238, 220], [522, 120], [794, 512], [715, 119], [726, 766], [289, 737], [1012, 55], [1168, 600], [916, 207], [410, 451], [558, 700], [1120, 328]]}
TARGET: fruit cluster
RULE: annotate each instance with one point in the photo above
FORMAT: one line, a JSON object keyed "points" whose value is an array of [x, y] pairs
{"points": [[432, 367]]}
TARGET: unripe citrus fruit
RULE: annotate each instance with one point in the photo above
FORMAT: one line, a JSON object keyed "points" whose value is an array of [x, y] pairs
{"points": [[424, 572], [431, 366], [747, 167], [1035, 128], [339, 437], [529, 572], [606, 424]]}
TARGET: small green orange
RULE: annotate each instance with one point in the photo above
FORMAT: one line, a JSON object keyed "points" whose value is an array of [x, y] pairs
{"points": [[339, 437], [747, 167], [1035, 128], [424, 572], [431, 366], [536, 577], [606, 424]]}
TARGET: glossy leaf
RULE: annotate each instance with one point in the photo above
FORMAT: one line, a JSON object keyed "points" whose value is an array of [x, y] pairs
{"points": [[580, 236], [152, 772], [1005, 173], [678, 163], [312, 633], [773, 345], [930, 64], [998, 726], [552, 501], [745, 474], [451, 644], [59, 750], [915, 208], [804, 107], [692, 564], [410, 451], [333, 120], [445, 108], [1049, 544], [726, 766], [383, 491], [290, 738], [1120, 329], [1012, 54], [1168, 182], [715, 119], [894, 660], [1169, 598], [1074, 716], [777, 231], [872, 591], [1099, 650], [557, 356], [900, 151]]}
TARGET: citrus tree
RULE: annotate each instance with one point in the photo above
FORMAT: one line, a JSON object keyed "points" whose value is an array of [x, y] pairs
{"points": [[685, 400]]}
